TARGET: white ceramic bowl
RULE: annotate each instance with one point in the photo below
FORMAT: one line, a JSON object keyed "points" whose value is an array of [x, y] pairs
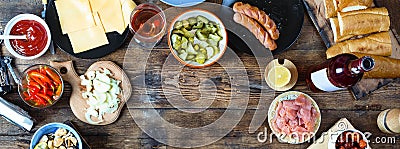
{"points": [[210, 16], [292, 95], [334, 136], [18, 18]]}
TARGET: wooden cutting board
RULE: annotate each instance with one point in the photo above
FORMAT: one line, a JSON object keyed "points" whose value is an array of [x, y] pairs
{"points": [[316, 11], [78, 103], [322, 142]]}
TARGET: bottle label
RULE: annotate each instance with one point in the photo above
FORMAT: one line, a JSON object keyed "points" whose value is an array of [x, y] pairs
{"points": [[321, 81]]}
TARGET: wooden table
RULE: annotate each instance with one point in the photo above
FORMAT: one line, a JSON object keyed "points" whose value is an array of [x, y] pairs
{"points": [[124, 133]]}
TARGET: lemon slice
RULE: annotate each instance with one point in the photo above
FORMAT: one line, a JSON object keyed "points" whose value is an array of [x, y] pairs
{"points": [[279, 76]]}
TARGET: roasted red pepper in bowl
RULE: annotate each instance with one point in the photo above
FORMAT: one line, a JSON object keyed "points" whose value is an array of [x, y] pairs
{"points": [[41, 87]]}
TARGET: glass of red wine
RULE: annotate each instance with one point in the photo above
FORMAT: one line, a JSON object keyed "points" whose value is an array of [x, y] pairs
{"points": [[148, 24]]}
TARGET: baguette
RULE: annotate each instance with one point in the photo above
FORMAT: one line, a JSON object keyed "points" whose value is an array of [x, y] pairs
{"points": [[256, 29], [363, 21], [329, 9], [384, 67], [258, 15], [352, 5], [336, 31], [375, 44]]}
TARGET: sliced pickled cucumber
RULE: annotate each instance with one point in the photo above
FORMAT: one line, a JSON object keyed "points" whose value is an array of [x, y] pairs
{"points": [[176, 31], [183, 56], [216, 50], [190, 50], [212, 23], [184, 42], [206, 30], [181, 51], [198, 25], [192, 21], [186, 33], [200, 58], [200, 35], [177, 45], [196, 47], [175, 37], [191, 40], [214, 30], [185, 24], [203, 44], [190, 57], [212, 42], [178, 25], [204, 51], [214, 37], [210, 52], [202, 19], [219, 32]]}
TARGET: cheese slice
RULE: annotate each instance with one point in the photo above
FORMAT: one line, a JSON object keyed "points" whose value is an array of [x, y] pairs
{"points": [[97, 20], [96, 5], [127, 8], [74, 15], [87, 39], [111, 16]]}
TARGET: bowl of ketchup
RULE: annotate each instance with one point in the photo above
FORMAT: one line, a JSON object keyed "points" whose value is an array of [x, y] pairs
{"points": [[37, 33]]}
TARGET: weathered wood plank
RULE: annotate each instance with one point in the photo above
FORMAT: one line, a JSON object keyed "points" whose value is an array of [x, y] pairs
{"points": [[124, 133]]}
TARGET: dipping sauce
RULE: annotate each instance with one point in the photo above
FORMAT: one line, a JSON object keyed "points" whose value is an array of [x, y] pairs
{"points": [[36, 37]]}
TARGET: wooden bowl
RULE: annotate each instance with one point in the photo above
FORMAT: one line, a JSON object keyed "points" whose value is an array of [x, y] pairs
{"points": [[78, 103], [210, 16]]}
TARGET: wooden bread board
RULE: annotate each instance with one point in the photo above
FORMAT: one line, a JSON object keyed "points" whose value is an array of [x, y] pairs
{"points": [[316, 11], [322, 142], [78, 103]]}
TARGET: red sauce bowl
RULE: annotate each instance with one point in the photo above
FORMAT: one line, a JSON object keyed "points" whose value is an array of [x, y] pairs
{"points": [[37, 32]]}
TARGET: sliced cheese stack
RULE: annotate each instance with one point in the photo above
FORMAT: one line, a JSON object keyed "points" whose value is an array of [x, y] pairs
{"points": [[87, 21]]}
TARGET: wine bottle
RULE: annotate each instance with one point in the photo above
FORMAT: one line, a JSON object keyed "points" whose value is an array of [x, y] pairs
{"points": [[339, 72]]}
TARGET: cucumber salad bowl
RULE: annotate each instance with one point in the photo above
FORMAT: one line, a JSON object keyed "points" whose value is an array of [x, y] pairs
{"points": [[197, 38]]}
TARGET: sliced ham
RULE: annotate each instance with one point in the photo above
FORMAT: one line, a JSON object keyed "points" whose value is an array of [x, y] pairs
{"points": [[279, 107], [300, 129], [290, 105], [275, 126], [303, 102], [295, 116], [282, 112], [305, 114], [291, 114], [293, 123], [286, 129]]}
